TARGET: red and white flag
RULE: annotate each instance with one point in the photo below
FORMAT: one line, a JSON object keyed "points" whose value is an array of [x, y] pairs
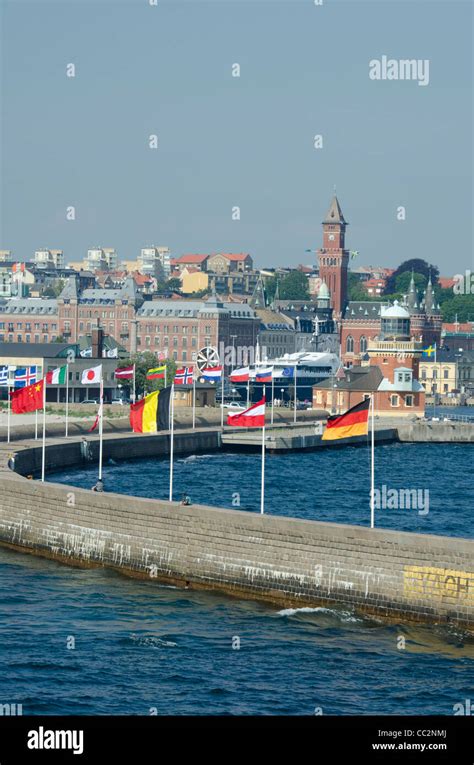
{"points": [[92, 375], [97, 419], [253, 417], [124, 373], [240, 375]]}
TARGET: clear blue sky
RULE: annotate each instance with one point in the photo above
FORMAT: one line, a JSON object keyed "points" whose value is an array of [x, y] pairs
{"points": [[245, 141]]}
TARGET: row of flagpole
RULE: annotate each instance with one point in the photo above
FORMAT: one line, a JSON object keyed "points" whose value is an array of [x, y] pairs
{"points": [[171, 423]]}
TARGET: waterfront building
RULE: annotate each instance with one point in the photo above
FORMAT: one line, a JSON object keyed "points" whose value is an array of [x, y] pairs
{"points": [[49, 356], [451, 372]]}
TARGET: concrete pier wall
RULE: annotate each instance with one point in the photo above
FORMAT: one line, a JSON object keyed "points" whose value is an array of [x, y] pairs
{"points": [[286, 561]]}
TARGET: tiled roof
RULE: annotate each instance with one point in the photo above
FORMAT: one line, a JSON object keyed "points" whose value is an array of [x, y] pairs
{"points": [[189, 259]]}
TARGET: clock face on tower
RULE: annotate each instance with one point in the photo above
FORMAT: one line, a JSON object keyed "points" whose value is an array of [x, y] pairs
{"points": [[331, 237]]}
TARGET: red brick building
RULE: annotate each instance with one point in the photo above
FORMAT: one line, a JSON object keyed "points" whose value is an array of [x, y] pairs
{"points": [[334, 258], [389, 370]]}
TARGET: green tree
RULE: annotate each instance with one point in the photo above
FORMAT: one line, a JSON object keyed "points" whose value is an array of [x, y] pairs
{"points": [[402, 283], [356, 291], [417, 265], [270, 286], [294, 286], [143, 362], [461, 306]]}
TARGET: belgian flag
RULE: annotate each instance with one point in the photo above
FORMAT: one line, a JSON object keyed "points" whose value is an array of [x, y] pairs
{"points": [[354, 422], [152, 413]]}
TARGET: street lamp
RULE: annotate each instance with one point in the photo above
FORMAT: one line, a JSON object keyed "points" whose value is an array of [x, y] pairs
{"points": [[282, 392]]}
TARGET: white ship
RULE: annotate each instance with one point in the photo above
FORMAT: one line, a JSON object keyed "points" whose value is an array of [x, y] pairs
{"points": [[306, 367]]}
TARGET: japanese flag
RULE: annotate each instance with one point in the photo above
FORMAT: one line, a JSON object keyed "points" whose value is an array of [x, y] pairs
{"points": [[92, 376]]}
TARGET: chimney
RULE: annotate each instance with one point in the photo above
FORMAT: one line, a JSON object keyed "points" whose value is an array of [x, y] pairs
{"points": [[97, 342]]}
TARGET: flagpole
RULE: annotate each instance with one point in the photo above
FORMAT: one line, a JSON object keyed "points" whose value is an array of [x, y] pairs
{"points": [[194, 402], [43, 450], [8, 413], [262, 493], [101, 415], [273, 394], [67, 398], [171, 441], [372, 466], [222, 397], [248, 390], [134, 391], [36, 424], [294, 413]]}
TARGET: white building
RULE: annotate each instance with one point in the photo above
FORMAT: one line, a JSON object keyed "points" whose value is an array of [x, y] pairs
{"points": [[101, 259], [49, 258], [154, 260]]}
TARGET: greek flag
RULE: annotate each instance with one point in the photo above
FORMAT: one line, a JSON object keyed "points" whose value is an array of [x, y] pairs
{"points": [[3, 376]]}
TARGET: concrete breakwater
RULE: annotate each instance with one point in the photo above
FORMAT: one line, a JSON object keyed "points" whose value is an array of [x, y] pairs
{"points": [[290, 562]]}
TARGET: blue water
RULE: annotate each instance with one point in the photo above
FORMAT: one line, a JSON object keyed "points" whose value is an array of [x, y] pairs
{"points": [[326, 485], [142, 646]]}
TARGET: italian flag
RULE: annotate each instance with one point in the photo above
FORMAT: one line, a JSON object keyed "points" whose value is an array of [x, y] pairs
{"points": [[57, 376]]}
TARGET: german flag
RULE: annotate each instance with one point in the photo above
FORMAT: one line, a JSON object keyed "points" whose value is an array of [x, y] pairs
{"points": [[354, 422], [152, 412]]}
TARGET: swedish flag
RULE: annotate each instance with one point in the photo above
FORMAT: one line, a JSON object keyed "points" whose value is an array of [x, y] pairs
{"points": [[429, 352]]}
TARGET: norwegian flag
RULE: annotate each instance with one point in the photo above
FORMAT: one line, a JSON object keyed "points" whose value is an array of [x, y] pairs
{"points": [[183, 376]]}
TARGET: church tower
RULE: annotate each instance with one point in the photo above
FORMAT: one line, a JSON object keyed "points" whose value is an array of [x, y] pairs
{"points": [[334, 258]]}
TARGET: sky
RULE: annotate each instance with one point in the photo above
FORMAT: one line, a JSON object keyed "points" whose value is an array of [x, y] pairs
{"points": [[245, 142]]}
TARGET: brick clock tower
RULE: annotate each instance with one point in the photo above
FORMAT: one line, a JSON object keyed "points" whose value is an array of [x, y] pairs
{"points": [[334, 258]]}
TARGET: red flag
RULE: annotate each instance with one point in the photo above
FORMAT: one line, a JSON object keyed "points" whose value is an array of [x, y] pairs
{"points": [[254, 417], [27, 399]]}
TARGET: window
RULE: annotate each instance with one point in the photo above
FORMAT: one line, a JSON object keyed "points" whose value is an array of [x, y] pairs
{"points": [[81, 326], [363, 344], [184, 355], [407, 377], [207, 331], [176, 328], [393, 400], [37, 338], [45, 338], [19, 339], [157, 340], [175, 355], [175, 342], [148, 340], [185, 342], [27, 338], [408, 400], [350, 344], [446, 387], [435, 374], [423, 374], [194, 330], [28, 326], [446, 373], [166, 341], [193, 342]]}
